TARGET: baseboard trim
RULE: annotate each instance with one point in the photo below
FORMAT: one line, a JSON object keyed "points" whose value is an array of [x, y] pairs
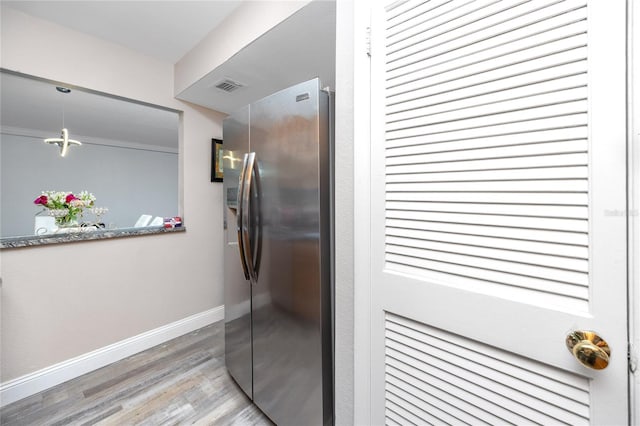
{"points": [[48, 377]]}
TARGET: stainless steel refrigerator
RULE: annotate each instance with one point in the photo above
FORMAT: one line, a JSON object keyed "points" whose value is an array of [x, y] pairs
{"points": [[278, 238]]}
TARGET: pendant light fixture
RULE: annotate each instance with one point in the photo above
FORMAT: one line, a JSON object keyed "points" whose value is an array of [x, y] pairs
{"points": [[63, 141]]}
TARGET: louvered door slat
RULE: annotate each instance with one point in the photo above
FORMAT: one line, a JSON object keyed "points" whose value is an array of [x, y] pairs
{"points": [[527, 407], [436, 404], [431, 14], [507, 127], [570, 172], [391, 420], [483, 85], [451, 26], [444, 103], [573, 386], [466, 38], [482, 264], [561, 251], [407, 417], [512, 287], [537, 235], [565, 185], [409, 15], [520, 40], [440, 395], [490, 119], [560, 199], [485, 164], [515, 394], [450, 364], [513, 74], [406, 13], [517, 282], [482, 25], [543, 41], [496, 57], [556, 147], [460, 42], [524, 138], [565, 263], [429, 412], [551, 224], [528, 210], [518, 105]]}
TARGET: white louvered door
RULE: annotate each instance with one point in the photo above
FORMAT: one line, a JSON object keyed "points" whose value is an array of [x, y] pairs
{"points": [[498, 158]]}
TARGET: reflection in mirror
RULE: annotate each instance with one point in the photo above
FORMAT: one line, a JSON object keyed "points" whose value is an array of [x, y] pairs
{"points": [[127, 160]]}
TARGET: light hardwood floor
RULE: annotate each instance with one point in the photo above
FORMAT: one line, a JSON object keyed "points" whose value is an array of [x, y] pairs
{"points": [[183, 381]]}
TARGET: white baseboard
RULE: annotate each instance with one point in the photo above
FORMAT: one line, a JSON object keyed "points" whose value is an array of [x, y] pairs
{"points": [[40, 380]]}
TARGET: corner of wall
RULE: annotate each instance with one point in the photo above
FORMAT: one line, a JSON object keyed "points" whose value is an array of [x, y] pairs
{"points": [[248, 22], [137, 284], [32, 383]]}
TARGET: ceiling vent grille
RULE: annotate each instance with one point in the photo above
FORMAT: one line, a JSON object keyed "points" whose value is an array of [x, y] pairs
{"points": [[228, 85]]}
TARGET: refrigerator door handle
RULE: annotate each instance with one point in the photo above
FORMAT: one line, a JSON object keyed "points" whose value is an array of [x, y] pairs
{"points": [[240, 212], [246, 212]]}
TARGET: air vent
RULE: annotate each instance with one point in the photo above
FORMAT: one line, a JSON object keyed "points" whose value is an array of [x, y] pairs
{"points": [[228, 85]]}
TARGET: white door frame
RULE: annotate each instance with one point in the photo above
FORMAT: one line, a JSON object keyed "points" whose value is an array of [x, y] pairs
{"points": [[352, 200], [633, 211]]}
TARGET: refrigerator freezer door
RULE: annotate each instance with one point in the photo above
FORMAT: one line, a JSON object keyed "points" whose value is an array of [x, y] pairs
{"points": [[290, 309], [237, 289]]}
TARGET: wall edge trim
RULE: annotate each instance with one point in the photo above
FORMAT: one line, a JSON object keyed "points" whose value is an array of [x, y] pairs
{"points": [[38, 381]]}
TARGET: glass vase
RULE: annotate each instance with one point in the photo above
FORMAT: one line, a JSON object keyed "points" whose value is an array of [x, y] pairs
{"points": [[67, 221]]}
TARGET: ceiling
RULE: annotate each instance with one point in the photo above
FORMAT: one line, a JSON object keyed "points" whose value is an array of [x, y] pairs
{"points": [[300, 48], [166, 30], [36, 105]]}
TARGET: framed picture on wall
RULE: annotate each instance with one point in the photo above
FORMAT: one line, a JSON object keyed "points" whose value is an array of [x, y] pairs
{"points": [[216, 160]]}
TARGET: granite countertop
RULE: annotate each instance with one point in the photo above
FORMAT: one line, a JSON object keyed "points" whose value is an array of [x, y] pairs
{"points": [[83, 235]]}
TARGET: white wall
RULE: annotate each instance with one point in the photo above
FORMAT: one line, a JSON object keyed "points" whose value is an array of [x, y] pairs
{"points": [[128, 181], [62, 301]]}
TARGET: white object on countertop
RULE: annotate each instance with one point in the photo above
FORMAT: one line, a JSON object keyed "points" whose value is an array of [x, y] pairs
{"points": [[44, 225], [143, 221], [157, 221]]}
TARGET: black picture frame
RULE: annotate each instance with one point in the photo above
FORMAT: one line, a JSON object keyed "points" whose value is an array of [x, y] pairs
{"points": [[217, 174]]}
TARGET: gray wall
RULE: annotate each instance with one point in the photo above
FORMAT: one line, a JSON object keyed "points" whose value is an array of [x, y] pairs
{"points": [[130, 182]]}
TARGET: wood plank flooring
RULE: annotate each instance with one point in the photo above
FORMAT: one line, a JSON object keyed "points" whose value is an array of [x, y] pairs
{"points": [[183, 381]]}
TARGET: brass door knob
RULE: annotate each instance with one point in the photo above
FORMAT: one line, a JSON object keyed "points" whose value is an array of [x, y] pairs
{"points": [[589, 349]]}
